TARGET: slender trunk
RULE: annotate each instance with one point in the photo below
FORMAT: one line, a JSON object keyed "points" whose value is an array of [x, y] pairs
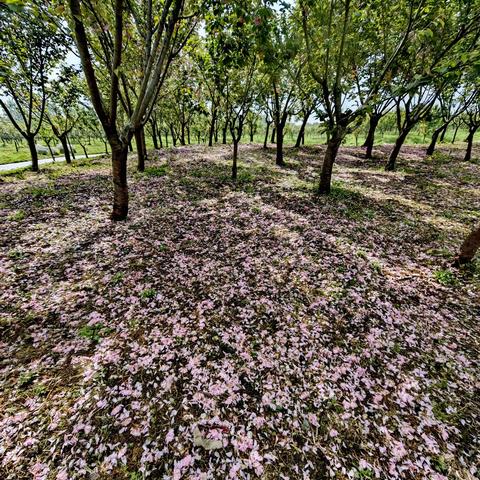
{"points": [[272, 140], [154, 135], [66, 150], [106, 146], [265, 141], [140, 149], [84, 149], [468, 248], [72, 151], [33, 152], [370, 140], [188, 134], [16, 145], [174, 137], [444, 131], [224, 135], [279, 158], [251, 135], [182, 134], [433, 143], [330, 155], [301, 132], [160, 138], [392, 159], [211, 133], [166, 138], [455, 133], [120, 187], [48, 142], [130, 146], [468, 153], [235, 157]]}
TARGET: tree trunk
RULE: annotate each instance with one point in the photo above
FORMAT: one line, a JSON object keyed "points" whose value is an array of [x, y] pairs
{"points": [[66, 150], [279, 157], [468, 153], [392, 159], [301, 132], [468, 248], [444, 131], [330, 155], [120, 187], [154, 134], [370, 140], [272, 140], [188, 134], [211, 133], [455, 134], [72, 151], [234, 163], [174, 138], [224, 135], [50, 149], [265, 141], [139, 141], [433, 143], [84, 148], [106, 146], [166, 138], [251, 135], [33, 153], [182, 134], [130, 146]]}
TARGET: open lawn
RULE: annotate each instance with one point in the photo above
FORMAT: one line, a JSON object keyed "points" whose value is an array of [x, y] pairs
{"points": [[248, 330]]}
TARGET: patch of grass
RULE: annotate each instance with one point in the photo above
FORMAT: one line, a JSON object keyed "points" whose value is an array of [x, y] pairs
{"points": [[26, 379], [117, 278], [446, 277], [15, 254], [148, 293], [155, 171], [439, 464], [94, 333], [17, 216], [341, 192], [44, 192]]}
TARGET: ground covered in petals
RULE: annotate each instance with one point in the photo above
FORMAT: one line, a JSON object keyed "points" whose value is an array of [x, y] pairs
{"points": [[247, 330]]}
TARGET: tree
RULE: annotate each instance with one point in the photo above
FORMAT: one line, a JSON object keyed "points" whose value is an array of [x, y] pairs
{"points": [[472, 121], [469, 248], [31, 46], [100, 31]]}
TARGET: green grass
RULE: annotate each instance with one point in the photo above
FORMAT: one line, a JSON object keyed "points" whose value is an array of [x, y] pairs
{"points": [[8, 153]]}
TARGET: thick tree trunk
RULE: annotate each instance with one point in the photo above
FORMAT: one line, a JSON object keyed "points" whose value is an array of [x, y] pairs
{"points": [[279, 157], [370, 140], [330, 155], [66, 150], [235, 157], [120, 187], [265, 141], [224, 134], [141, 151], [272, 140], [251, 135], [301, 132], [468, 153], [211, 133], [392, 159], [182, 135], [468, 248], [33, 153], [433, 142]]}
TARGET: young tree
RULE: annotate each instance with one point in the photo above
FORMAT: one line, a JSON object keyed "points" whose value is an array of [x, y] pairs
{"points": [[472, 121], [101, 31], [31, 46]]}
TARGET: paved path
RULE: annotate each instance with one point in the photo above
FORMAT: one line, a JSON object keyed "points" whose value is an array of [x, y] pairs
{"points": [[42, 161]]}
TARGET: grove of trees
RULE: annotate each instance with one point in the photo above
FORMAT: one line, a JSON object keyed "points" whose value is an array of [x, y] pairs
{"points": [[183, 70]]}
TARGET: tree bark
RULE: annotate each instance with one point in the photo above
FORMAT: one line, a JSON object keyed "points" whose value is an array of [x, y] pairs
{"points": [[72, 152], [392, 159], [211, 133], [444, 131], [265, 141], [154, 134], [224, 134], [330, 155], [370, 140], [433, 143], [66, 149], [468, 153], [301, 132], [235, 157], [272, 140], [33, 153], [141, 153], [120, 187], [469, 248], [279, 157]]}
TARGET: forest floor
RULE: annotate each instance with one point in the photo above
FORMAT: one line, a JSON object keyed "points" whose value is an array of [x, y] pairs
{"points": [[240, 331]]}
